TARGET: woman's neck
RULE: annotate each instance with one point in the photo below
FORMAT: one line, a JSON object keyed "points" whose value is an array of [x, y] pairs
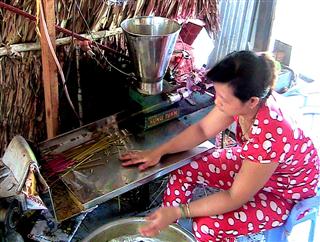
{"points": [[246, 121], [251, 114]]}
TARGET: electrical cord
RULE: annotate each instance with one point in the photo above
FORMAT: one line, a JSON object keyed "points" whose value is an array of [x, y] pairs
{"points": [[99, 49], [45, 29]]}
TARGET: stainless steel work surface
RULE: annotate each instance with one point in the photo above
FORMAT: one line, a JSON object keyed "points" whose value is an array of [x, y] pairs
{"points": [[101, 183], [108, 179]]}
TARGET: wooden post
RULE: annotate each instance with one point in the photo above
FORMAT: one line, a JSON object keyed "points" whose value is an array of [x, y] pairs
{"points": [[49, 70]]}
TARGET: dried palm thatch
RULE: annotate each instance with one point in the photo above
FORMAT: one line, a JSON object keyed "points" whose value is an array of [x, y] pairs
{"points": [[21, 99], [109, 14], [21, 105], [21, 89]]}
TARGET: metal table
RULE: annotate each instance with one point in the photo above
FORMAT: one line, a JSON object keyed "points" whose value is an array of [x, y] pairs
{"points": [[92, 186]]}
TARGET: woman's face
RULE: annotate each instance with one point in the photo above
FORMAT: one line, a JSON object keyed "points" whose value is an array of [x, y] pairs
{"points": [[227, 102]]}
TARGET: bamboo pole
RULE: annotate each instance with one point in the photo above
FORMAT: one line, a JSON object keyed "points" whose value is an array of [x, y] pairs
{"points": [[58, 28], [17, 48], [49, 70]]}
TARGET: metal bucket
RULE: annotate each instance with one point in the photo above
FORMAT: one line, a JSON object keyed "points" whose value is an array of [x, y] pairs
{"points": [[151, 42], [127, 230]]}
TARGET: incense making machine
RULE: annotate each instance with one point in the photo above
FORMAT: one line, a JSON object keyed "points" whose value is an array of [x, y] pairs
{"points": [[157, 96]]}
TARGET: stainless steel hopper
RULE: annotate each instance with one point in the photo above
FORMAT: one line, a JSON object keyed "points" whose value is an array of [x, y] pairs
{"points": [[151, 41]]}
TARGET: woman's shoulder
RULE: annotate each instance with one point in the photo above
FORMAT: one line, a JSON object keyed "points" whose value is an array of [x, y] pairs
{"points": [[276, 110], [272, 123], [279, 119]]}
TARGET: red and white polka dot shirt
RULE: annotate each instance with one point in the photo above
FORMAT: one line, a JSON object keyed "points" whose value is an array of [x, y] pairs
{"points": [[275, 137]]}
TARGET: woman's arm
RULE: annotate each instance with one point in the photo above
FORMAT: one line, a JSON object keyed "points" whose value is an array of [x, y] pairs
{"points": [[250, 179], [208, 127]]}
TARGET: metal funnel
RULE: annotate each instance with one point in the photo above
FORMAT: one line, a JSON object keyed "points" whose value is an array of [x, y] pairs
{"points": [[151, 41]]}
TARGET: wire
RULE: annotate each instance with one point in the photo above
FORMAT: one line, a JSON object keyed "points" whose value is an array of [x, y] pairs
{"points": [[97, 45], [56, 59]]}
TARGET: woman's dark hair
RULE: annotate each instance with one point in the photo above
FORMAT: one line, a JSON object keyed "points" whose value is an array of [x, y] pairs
{"points": [[249, 74]]}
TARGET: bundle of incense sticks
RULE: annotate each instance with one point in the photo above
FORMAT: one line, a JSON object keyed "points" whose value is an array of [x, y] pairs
{"points": [[82, 156]]}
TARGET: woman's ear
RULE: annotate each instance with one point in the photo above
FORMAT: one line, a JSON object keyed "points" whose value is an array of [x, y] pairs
{"points": [[254, 102]]}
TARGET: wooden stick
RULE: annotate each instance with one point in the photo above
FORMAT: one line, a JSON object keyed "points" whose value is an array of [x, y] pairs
{"points": [[49, 68], [16, 48]]}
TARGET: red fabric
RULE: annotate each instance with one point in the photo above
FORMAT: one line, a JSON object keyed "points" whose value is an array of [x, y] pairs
{"points": [[273, 138], [276, 138], [217, 169]]}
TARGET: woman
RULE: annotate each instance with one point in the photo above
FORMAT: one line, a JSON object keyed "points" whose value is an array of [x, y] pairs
{"points": [[274, 166]]}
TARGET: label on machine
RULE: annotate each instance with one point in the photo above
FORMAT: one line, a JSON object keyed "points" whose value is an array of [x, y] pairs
{"points": [[162, 117]]}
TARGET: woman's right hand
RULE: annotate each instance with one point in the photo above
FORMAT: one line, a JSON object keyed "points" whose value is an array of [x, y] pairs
{"points": [[148, 158]]}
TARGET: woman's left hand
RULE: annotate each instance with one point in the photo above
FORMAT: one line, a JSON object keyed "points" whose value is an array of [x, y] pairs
{"points": [[146, 158], [159, 220]]}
